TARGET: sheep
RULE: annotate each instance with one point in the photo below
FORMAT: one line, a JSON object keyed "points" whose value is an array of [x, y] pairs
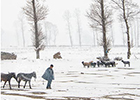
{"points": [[99, 63], [57, 55], [93, 64], [118, 58], [87, 63], [126, 62], [109, 63]]}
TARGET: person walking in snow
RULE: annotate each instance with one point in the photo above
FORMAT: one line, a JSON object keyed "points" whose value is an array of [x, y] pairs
{"points": [[49, 76]]}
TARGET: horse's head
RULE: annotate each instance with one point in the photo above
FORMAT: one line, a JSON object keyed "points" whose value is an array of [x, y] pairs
{"points": [[13, 75], [34, 74]]}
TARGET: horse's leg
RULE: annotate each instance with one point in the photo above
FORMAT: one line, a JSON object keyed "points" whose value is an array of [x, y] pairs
{"points": [[9, 85], [25, 84], [30, 84], [4, 84], [19, 83]]}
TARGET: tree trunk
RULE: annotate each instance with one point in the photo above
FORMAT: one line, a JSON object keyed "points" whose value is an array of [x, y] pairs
{"points": [[70, 37], [79, 30], [70, 33], [104, 29], [128, 42], [23, 35], [79, 34], [93, 38], [46, 32], [96, 36], [112, 35], [36, 30], [137, 31], [127, 32], [37, 54]]}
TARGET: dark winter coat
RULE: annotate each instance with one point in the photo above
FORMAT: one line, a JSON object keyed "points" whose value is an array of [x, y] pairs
{"points": [[48, 75]]}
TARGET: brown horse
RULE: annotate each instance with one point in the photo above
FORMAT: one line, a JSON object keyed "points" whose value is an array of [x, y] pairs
{"points": [[7, 77]]}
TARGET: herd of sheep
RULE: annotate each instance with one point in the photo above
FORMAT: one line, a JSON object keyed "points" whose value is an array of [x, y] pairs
{"points": [[105, 62]]}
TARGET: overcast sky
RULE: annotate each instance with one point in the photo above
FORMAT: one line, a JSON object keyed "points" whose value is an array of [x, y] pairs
{"points": [[11, 9]]}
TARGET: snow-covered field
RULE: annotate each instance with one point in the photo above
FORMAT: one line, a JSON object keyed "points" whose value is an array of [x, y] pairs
{"points": [[72, 80]]}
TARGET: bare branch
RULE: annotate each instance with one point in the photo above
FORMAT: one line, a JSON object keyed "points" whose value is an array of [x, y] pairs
{"points": [[118, 4]]}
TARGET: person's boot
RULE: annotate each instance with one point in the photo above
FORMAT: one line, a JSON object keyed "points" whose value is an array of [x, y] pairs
{"points": [[49, 88]]}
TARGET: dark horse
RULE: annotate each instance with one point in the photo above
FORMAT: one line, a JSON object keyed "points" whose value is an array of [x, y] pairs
{"points": [[25, 77], [7, 77]]}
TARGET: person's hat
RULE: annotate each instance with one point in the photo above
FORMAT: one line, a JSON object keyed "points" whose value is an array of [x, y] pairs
{"points": [[51, 65]]}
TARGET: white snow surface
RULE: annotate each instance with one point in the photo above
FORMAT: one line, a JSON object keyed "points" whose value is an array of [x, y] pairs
{"points": [[72, 80]]}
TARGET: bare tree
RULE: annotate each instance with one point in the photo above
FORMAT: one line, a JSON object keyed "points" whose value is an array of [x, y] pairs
{"points": [[67, 17], [127, 12], [96, 32], [77, 14], [21, 19], [135, 33], [46, 33], [36, 12], [93, 38], [54, 34], [100, 17], [112, 35], [138, 30], [17, 33], [51, 32], [122, 30]]}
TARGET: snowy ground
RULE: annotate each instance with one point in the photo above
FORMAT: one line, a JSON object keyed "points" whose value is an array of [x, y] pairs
{"points": [[72, 81]]}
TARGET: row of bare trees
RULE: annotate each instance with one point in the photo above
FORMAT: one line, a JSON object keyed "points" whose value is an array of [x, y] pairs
{"points": [[128, 11], [67, 17], [134, 32], [100, 15], [51, 32]]}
